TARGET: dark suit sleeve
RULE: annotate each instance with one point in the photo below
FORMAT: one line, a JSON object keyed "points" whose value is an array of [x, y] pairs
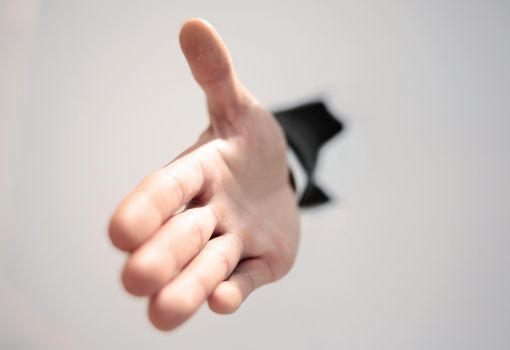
{"points": [[307, 128]]}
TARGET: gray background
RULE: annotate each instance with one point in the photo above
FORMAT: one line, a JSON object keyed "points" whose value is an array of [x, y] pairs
{"points": [[413, 254]]}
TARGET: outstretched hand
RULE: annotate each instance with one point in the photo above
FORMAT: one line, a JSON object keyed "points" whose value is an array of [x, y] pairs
{"points": [[220, 220]]}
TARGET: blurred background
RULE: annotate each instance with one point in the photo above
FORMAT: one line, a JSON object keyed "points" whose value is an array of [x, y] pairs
{"points": [[412, 254]]}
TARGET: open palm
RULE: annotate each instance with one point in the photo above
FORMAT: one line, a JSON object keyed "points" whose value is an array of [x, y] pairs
{"points": [[220, 220]]}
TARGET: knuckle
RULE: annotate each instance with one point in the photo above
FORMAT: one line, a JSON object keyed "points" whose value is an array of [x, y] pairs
{"points": [[273, 270], [177, 184], [222, 258], [196, 235], [279, 268], [281, 259]]}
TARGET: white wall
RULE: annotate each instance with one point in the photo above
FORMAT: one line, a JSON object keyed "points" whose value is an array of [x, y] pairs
{"points": [[412, 255]]}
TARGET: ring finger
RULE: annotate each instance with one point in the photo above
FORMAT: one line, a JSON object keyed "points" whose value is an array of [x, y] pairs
{"points": [[180, 298]]}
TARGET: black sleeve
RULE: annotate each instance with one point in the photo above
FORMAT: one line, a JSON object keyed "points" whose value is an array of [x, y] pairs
{"points": [[307, 127]]}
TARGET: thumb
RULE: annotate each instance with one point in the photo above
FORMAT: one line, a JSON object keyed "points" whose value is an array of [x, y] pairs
{"points": [[211, 65]]}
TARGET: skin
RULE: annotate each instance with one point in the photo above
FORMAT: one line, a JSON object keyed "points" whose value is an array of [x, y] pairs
{"points": [[221, 220]]}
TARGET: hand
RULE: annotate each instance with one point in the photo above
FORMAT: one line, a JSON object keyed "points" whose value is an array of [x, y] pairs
{"points": [[220, 220]]}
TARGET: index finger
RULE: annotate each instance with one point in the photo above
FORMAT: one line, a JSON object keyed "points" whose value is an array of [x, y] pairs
{"points": [[154, 200]]}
